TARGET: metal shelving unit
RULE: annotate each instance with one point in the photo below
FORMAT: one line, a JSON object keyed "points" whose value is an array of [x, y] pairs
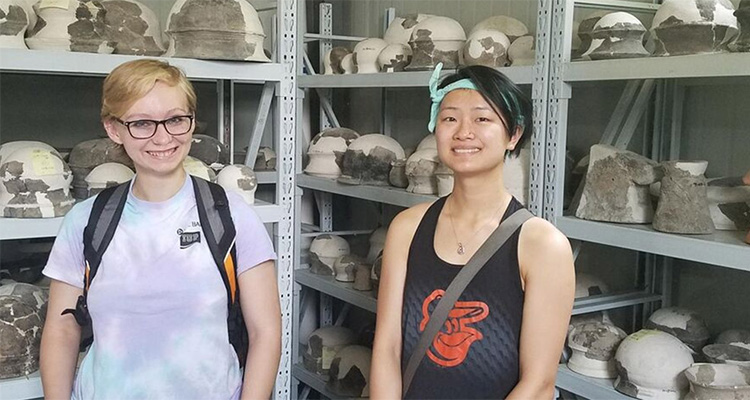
{"points": [[340, 290], [20, 228], [588, 387], [724, 248], [519, 75], [24, 387], [279, 81], [383, 194]]}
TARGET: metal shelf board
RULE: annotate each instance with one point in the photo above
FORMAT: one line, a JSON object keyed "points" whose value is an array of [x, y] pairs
{"points": [[611, 301], [690, 66], [520, 75], [586, 386], [339, 290], [29, 228], [266, 177], [382, 194], [367, 300], [723, 248], [71, 63], [21, 388], [316, 382]]}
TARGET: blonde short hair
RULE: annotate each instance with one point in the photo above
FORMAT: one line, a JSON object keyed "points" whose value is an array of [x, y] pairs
{"points": [[129, 82]]}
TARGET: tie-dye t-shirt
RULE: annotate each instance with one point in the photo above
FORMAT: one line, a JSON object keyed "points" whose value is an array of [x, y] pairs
{"points": [[159, 309]]}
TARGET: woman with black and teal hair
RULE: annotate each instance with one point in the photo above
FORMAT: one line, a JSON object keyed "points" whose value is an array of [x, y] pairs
{"points": [[504, 336]]}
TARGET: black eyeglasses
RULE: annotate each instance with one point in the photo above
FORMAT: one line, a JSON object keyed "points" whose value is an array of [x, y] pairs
{"points": [[146, 128]]}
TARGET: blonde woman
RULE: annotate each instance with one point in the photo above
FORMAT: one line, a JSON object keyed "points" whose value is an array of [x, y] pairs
{"points": [[159, 309]]}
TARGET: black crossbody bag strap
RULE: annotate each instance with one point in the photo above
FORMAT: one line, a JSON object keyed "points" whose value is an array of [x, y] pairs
{"points": [[456, 288]]}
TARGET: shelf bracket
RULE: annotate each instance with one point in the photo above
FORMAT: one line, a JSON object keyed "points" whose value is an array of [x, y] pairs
{"points": [[261, 119]]}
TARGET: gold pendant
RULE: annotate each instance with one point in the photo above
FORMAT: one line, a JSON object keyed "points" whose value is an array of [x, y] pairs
{"points": [[460, 249]]}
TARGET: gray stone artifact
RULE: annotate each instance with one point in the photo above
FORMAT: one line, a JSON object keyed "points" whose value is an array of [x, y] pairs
{"points": [[585, 29], [400, 29], [377, 242], [368, 159], [735, 337], [649, 366], [365, 55], [589, 285], [394, 57], [324, 251], [326, 150], [594, 346], [14, 21], [420, 170], [210, 151], [196, 167], [693, 27], [8, 148], [75, 26], [89, 154], [345, 267], [726, 354], [375, 275], [444, 178], [332, 60], [347, 64], [134, 28], [511, 27], [322, 346], [683, 200], [616, 188], [522, 51], [349, 375], [681, 323], [742, 44], [436, 40], [718, 382], [215, 30], [487, 47], [107, 175], [397, 176], [362, 280], [20, 337], [617, 35], [265, 160], [35, 184], [729, 203], [22, 311], [239, 179]]}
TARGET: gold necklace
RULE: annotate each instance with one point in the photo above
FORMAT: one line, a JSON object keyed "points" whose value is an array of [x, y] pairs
{"points": [[461, 249]]}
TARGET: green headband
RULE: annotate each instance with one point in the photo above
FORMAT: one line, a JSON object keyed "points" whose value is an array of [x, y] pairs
{"points": [[437, 95]]}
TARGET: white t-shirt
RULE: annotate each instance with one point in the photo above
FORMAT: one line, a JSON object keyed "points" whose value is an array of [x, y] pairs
{"points": [[159, 309]]}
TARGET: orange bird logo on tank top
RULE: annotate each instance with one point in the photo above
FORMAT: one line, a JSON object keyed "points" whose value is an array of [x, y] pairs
{"points": [[451, 344]]}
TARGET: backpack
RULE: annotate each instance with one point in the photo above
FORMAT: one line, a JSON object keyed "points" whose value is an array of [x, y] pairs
{"points": [[218, 229]]}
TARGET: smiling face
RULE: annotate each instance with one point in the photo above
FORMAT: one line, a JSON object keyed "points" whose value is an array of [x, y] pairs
{"points": [[162, 154], [471, 136]]}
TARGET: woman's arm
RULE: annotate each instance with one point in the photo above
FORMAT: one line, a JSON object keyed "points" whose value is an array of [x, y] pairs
{"points": [[259, 298], [549, 285], [385, 374], [60, 342]]}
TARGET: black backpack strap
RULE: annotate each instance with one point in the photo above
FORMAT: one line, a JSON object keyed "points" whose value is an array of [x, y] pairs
{"points": [[218, 228], [103, 219]]}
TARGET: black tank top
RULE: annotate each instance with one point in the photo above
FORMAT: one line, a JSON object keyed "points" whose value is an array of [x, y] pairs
{"points": [[475, 355]]}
